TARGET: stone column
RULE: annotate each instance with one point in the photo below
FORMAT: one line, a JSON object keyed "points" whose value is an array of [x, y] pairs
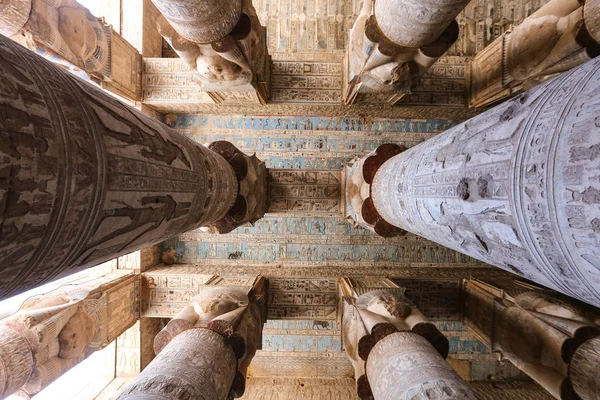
{"points": [[86, 178], [552, 340], [205, 350], [196, 364], [516, 187], [404, 364], [51, 333], [223, 43], [392, 45], [557, 37], [394, 349]]}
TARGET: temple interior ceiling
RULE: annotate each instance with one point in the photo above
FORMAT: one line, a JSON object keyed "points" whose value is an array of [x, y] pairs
{"points": [[305, 243], [308, 136]]}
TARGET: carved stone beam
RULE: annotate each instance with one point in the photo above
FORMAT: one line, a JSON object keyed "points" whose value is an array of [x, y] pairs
{"points": [[51, 333], [87, 178], [514, 187], [385, 58], [226, 319], [373, 312]]}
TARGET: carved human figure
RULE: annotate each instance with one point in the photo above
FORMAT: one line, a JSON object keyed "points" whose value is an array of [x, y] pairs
{"points": [[55, 331], [538, 332], [62, 30], [464, 189], [385, 60], [557, 37], [376, 314], [232, 58]]}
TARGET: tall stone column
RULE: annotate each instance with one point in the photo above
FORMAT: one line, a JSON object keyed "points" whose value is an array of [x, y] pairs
{"points": [[516, 187], [85, 178], [395, 351], [49, 334], [551, 339], [557, 37], [204, 352], [223, 43], [392, 45]]}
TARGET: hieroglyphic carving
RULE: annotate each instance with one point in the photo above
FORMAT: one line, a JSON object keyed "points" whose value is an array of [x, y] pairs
{"points": [[57, 330], [235, 313], [302, 299], [515, 187], [307, 192], [404, 364], [399, 270], [302, 336], [500, 390], [300, 364], [300, 389], [373, 309], [110, 166], [437, 299], [306, 82], [168, 85]]}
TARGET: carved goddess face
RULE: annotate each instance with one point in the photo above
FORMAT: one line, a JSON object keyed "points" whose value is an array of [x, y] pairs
{"points": [[76, 336]]}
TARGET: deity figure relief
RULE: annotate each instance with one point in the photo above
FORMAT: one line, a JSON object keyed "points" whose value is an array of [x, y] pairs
{"points": [[61, 30], [233, 312]]}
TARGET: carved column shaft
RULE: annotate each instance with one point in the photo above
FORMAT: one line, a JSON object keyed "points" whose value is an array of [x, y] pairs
{"points": [[201, 21], [16, 361], [196, 364], [411, 23], [404, 365], [86, 178], [515, 187]]}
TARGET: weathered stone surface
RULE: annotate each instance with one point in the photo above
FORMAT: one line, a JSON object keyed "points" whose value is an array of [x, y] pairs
{"points": [[201, 21], [88, 178], [223, 43], [63, 31], [514, 187]]}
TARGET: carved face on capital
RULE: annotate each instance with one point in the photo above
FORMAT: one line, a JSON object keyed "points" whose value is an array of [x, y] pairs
{"points": [[76, 336], [216, 69], [219, 301], [76, 30]]}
